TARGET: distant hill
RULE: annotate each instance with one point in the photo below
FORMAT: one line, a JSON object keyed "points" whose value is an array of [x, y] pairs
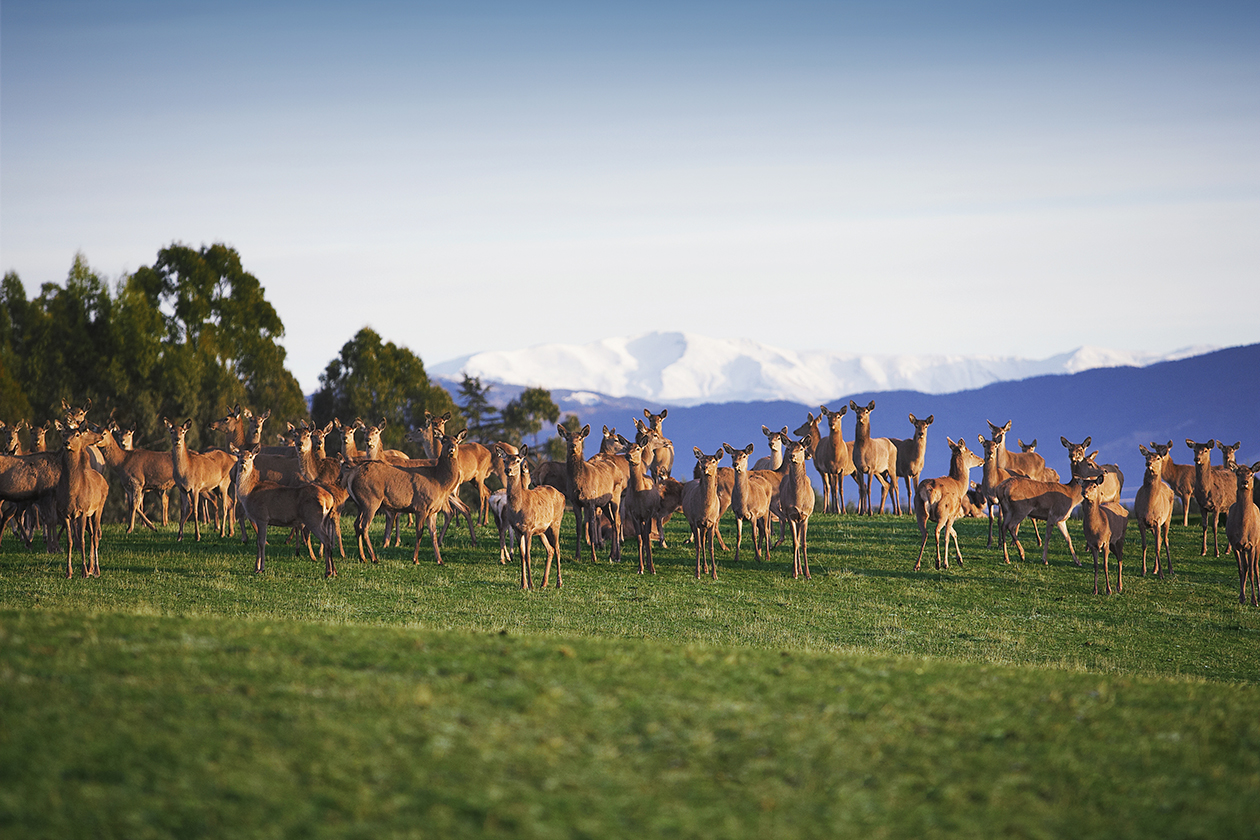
{"points": [[1215, 395]]}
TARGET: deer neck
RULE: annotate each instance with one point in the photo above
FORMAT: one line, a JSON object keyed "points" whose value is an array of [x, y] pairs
{"points": [[111, 451], [862, 430], [1245, 491], [958, 469], [639, 482], [179, 457]]}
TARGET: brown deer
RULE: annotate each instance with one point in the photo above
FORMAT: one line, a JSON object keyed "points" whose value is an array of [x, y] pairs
{"points": [[376, 450], [267, 503], [703, 510], [1213, 490], [422, 490], [532, 512], [1152, 508], [1114, 483], [911, 452], [645, 505], [1104, 524], [991, 479], [873, 456], [750, 501], [81, 493], [833, 458], [941, 500], [474, 463], [31, 479], [775, 440], [1180, 477], [1242, 529], [198, 473], [1048, 473], [796, 501], [138, 471], [234, 426], [10, 443], [661, 461], [1025, 463], [597, 483], [1020, 498], [349, 448]]}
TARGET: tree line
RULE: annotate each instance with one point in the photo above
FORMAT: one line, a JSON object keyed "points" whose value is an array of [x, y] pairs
{"points": [[192, 335]]}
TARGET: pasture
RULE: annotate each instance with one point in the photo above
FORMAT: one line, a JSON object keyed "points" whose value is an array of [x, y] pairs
{"points": [[183, 695]]}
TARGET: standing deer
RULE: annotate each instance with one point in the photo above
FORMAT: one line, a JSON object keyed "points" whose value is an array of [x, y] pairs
{"points": [[1021, 498], [597, 483], [138, 471], [1242, 529], [1213, 490], [750, 500], [1113, 484], [1025, 463], [796, 501], [941, 499], [474, 464], [661, 462], [873, 456], [1047, 473], [1104, 524], [267, 503], [911, 452], [833, 458], [198, 473], [81, 494], [532, 512], [703, 510], [1152, 508], [1180, 477], [644, 504]]}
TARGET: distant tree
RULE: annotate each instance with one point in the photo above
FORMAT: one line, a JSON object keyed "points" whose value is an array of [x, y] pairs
{"points": [[526, 414], [14, 405], [478, 412], [372, 379]]}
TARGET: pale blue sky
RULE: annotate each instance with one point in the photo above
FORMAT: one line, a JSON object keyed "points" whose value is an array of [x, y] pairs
{"points": [[864, 177]]}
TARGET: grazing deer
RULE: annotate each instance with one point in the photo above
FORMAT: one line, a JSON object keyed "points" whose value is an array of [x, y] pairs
{"points": [[873, 456], [1020, 498], [81, 493], [138, 471], [1213, 490], [597, 483], [1180, 477], [750, 500], [1025, 463], [941, 500], [266, 503], [1048, 473], [1104, 524], [796, 501], [1242, 529], [833, 458], [1152, 508], [911, 452], [532, 512], [422, 490], [198, 473], [703, 510]]}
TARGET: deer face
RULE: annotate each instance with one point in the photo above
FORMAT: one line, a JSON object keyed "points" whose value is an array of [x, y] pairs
{"points": [[1202, 451], [654, 420], [810, 426], [739, 457], [1091, 488], [1154, 463], [1228, 452], [1076, 451], [705, 464]]}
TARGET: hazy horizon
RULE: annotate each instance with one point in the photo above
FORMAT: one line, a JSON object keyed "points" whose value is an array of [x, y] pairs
{"points": [[892, 178]]}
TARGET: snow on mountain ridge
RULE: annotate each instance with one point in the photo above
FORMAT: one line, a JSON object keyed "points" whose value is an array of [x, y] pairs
{"points": [[687, 369]]}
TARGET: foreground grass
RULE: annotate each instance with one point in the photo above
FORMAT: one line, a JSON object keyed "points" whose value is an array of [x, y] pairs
{"points": [[182, 695]]}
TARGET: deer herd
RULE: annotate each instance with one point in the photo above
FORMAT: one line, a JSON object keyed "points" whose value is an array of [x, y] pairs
{"points": [[625, 490]]}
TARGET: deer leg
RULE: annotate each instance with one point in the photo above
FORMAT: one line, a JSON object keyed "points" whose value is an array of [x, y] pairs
{"points": [[260, 561], [1036, 533], [1142, 534], [1167, 546], [957, 550]]}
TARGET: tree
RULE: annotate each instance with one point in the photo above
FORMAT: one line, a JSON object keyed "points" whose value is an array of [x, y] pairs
{"points": [[374, 379], [482, 425], [526, 414]]}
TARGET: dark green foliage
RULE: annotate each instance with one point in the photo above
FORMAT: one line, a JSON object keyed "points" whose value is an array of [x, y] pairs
{"points": [[372, 379], [526, 415], [483, 426]]}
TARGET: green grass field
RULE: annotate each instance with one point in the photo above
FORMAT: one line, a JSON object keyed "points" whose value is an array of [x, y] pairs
{"points": [[181, 695]]}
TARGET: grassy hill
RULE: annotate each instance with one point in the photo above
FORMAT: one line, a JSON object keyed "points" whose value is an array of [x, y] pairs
{"points": [[182, 695]]}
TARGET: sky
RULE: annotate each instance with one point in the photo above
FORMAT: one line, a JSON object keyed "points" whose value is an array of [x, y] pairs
{"points": [[885, 177]]}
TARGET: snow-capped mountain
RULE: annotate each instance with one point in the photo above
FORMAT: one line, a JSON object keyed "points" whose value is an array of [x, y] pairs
{"points": [[679, 368]]}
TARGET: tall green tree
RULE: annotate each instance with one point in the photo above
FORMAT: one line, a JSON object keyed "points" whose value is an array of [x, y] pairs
{"points": [[371, 379], [526, 415], [474, 401]]}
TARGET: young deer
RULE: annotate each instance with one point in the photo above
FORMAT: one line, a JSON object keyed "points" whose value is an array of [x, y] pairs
{"points": [[81, 494], [833, 458], [198, 473], [532, 512], [1180, 477], [940, 499], [1152, 509], [750, 500], [703, 510], [910, 454], [1242, 529], [1213, 490], [1104, 524], [796, 501], [1047, 473], [267, 503], [873, 456]]}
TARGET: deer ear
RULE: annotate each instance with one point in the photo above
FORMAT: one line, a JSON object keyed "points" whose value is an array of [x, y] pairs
{"points": [[463, 433], [1064, 440], [932, 417], [188, 424], [951, 443], [647, 414], [853, 405], [586, 430], [748, 450], [695, 450], [717, 456], [1086, 441], [871, 406], [523, 451], [664, 413], [1146, 453], [765, 430], [728, 448]]}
